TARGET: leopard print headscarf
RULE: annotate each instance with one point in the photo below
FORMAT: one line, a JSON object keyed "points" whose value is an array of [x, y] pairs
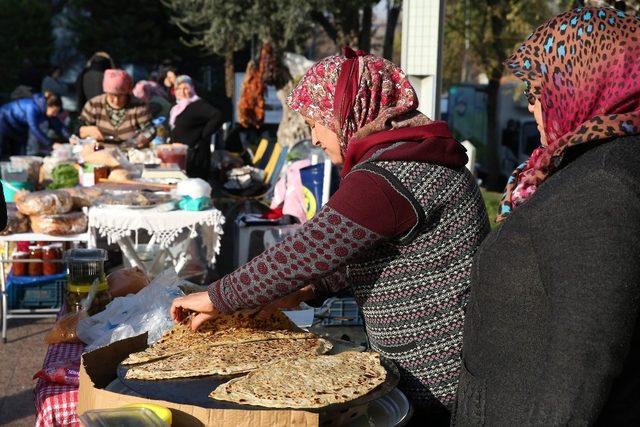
{"points": [[584, 68]]}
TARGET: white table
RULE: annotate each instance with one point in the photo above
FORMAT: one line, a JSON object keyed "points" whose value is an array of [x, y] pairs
{"points": [[167, 230], [33, 313]]}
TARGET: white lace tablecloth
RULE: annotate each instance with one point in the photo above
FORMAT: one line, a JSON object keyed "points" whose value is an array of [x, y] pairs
{"points": [[163, 227]]}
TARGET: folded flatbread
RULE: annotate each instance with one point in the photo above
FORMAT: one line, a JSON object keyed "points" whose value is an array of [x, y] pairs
{"points": [[236, 328], [307, 382], [227, 360]]}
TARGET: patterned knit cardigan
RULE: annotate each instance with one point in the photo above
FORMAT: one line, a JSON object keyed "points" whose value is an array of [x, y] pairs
{"points": [[412, 288]]}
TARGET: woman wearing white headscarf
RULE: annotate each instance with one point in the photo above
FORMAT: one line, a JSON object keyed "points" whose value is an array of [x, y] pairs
{"points": [[193, 121]]}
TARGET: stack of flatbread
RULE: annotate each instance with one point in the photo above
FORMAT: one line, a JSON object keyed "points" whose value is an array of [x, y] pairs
{"points": [[227, 345], [307, 382]]}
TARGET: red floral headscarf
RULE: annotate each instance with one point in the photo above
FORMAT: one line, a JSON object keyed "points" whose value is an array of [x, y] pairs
{"points": [[584, 68], [381, 93]]}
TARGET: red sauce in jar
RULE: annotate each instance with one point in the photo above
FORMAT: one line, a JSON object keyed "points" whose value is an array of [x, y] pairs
{"points": [[35, 268], [20, 268]]}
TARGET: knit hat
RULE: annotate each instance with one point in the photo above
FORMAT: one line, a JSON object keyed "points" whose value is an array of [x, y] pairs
{"points": [[117, 82]]}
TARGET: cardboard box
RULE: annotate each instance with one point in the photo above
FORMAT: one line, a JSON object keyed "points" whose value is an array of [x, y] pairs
{"points": [[99, 368]]}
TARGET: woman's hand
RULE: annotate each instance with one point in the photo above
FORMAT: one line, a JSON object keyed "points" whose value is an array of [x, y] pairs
{"points": [[199, 303], [91, 132], [288, 301]]}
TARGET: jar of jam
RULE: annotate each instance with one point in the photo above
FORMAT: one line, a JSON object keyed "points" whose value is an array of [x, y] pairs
{"points": [[20, 268], [35, 253], [58, 250], [49, 268]]}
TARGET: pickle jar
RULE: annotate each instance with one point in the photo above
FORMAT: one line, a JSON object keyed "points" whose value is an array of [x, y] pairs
{"points": [[85, 266]]}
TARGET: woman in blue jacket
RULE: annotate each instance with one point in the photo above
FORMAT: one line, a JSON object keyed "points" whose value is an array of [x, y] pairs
{"points": [[19, 117]]}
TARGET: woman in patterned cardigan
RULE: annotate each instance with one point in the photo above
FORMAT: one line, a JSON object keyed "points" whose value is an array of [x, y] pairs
{"points": [[401, 230]]}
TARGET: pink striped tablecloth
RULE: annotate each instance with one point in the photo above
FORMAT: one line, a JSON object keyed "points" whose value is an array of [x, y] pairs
{"points": [[56, 403]]}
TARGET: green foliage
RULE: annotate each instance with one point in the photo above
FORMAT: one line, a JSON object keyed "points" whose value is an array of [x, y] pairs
{"points": [[25, 31], [492, 28], [492, 203], [220, 25], [131, 31]]}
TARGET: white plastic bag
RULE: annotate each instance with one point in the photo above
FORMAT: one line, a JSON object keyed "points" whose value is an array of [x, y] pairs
{"points": [[195, 188], [125, 317]]}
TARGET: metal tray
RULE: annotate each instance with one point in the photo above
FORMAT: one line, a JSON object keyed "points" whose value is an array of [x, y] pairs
{"points": [[195, 391]]}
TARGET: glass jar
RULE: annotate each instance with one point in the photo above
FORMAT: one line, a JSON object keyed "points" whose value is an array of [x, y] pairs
{"points": [[35, 267], [20, 268], [85, 266], [49, 268], [58, 251]]}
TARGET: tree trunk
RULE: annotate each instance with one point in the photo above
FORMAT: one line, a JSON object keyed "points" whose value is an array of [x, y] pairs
{"points": [[364, 38], [390, 31], [493, 163], [229, 73]]}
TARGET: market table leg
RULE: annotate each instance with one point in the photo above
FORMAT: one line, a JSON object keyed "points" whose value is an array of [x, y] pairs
{"points": [[126, 246]]}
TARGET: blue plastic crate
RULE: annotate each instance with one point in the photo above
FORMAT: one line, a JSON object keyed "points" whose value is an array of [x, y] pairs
{"points": [[340, 312], [36, 292]]}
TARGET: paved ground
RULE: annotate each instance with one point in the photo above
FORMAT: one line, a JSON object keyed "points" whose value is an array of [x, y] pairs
{"points": [[20, 358]]}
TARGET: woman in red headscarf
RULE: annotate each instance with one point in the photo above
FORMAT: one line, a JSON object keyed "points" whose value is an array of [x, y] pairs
{"points": [[400, 231], [551, 335]]}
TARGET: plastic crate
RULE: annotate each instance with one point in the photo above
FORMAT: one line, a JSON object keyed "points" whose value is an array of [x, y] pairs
{"points": [[36, 292], [340, 312]]}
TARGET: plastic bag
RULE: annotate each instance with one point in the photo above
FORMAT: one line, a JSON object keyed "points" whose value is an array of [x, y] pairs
{"points": [[66, 327], [60, 225], [125, 317], [64, 330], [44, 202], [194, 188], [126, 281], [66, 372]]}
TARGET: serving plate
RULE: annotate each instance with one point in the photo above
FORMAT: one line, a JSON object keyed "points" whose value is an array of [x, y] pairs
{"points": [[195, 391]]}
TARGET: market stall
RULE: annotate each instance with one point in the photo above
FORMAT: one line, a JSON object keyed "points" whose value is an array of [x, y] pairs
{"points": [[170, 231]]}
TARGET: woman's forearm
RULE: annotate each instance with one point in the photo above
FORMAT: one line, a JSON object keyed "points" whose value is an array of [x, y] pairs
{"points": [[321, 247]]}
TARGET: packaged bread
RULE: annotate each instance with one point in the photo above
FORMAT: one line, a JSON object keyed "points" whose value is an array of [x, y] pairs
{"points": [[60, 225], [16, 222], [50, 202], [126, 281], [83, 196]]}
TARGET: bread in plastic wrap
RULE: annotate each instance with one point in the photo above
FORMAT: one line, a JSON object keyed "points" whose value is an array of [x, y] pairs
{"points": [[126, 281], [83, 196], [60, 225], [50, 202], [16, 222]]}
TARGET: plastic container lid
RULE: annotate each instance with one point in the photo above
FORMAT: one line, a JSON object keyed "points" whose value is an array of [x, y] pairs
{"points": [[121, 417], [85, 255], [163, 413]]}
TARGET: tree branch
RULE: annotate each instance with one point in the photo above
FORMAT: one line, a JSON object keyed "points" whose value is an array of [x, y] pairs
{"points": [[328, 27]]}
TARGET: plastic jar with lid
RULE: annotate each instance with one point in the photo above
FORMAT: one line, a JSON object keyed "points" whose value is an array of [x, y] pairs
{"points": [[20, 268], [86, 266], [35, 268]]}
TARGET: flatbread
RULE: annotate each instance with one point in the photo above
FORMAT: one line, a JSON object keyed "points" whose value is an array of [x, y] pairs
{"points": [[227, 360], [239, 327], [308, 382]]}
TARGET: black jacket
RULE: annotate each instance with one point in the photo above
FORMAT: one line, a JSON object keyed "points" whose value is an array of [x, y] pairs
{"points": [[194, 127], [551, 333]]}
